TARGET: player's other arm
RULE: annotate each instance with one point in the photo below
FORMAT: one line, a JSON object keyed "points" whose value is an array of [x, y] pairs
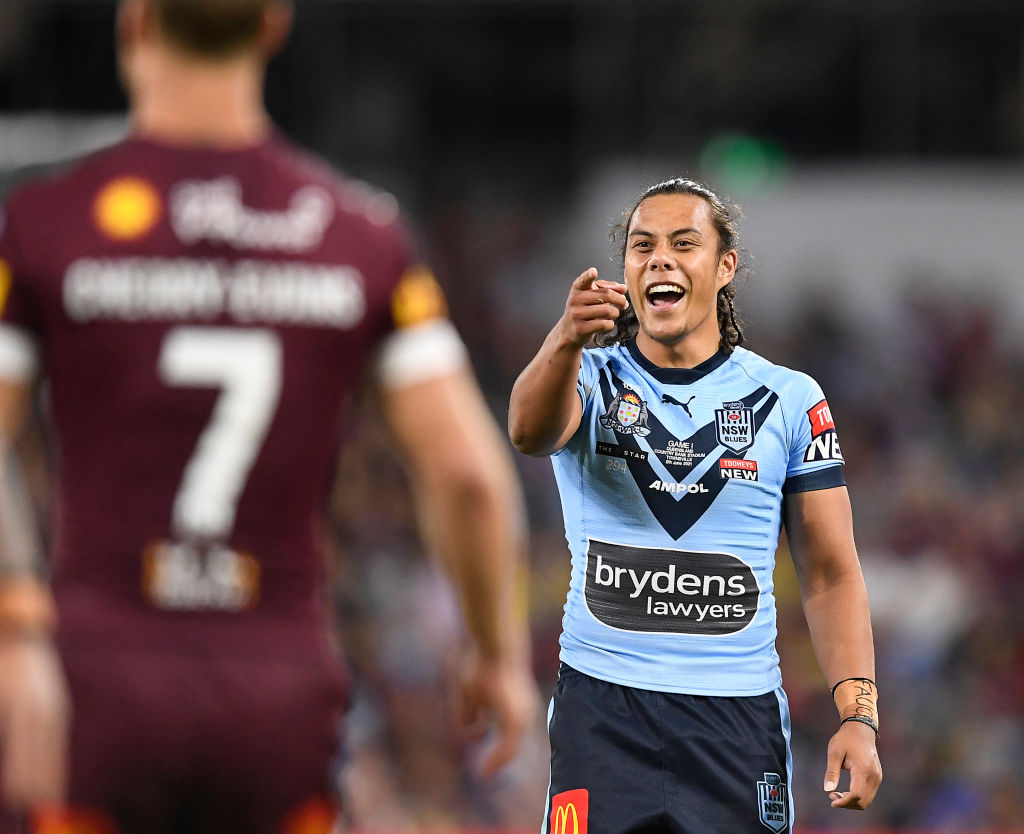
{"points": [[545, 410], [472, 516], [33, 695], [819, 525]]}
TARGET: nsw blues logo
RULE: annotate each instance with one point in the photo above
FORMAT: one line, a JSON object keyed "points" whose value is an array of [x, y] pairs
{"points": [[627, 414], [773, 802], [734, 426]]}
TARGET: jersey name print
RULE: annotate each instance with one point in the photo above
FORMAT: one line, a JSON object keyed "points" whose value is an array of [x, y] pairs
{"points": [[673, 529]]}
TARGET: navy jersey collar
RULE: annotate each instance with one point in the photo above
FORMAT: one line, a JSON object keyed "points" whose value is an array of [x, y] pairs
{"points": [[676, 376]]}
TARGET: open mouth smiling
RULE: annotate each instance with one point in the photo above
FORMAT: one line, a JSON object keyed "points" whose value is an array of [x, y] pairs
{"points": [[663, 296]]}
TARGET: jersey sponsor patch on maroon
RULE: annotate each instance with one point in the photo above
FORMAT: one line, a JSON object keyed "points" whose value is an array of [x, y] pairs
{"points": [[127, 208], [5, 284]]}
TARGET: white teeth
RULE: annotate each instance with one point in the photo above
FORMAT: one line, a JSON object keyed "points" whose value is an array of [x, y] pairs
{"points": [[665, 288]]}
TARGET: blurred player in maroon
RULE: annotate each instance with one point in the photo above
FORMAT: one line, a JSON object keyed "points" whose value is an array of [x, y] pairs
{"points": [[203, 301]]}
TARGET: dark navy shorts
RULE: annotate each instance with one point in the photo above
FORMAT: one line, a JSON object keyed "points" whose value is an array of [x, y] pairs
{"points": [[632, 760]]}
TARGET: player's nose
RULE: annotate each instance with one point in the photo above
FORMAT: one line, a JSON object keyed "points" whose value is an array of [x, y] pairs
{"points": [[661, 259]]}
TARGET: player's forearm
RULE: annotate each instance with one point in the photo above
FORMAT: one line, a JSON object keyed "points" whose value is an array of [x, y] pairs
{"points": [[544, 402], [839, 621], [25, 603], [477, 530]]}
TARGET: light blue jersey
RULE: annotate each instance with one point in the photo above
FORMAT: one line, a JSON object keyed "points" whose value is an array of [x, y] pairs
{"points": [[672, 493]]}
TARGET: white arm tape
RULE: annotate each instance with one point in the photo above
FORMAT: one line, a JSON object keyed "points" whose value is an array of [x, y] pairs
{"points": [[19, 354], [420, 353]]}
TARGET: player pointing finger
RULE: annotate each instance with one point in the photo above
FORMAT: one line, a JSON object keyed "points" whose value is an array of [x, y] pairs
{"points": [[593, 306]]}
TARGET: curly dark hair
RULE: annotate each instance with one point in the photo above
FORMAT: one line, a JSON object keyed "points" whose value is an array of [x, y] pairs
{"points": [[725, 217]]}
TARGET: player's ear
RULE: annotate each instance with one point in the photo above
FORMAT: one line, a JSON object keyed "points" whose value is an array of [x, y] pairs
{"points": [[727, 264], [135, 19], [277, 23], [129, 27]]}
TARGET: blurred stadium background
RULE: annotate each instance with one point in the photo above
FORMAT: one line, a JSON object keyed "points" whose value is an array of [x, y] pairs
{"points": [[877, 148]]}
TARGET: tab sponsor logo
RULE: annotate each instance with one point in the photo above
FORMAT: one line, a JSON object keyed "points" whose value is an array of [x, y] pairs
{"points": [[648, 589]]}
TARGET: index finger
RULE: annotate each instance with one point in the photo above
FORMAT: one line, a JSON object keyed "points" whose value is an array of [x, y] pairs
{"points": [[585, 279]]}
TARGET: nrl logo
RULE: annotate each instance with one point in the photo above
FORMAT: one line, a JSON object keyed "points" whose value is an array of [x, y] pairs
{"points": [[734, 425], [772, 802], [627, 415]]}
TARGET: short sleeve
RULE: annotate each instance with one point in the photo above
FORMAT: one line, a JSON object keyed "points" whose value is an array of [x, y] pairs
{"points": [[815, 459], [420, 342]]}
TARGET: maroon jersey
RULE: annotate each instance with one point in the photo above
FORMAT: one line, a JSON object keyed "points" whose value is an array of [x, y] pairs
{"points": [[203, 318]]}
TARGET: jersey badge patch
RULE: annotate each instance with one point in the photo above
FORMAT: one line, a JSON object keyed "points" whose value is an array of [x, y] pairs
{"points": [[824, 443], [627, 414], [734, 426], [772, 803], [569, 812], [417, 298], [5, 284], [127, 208]]}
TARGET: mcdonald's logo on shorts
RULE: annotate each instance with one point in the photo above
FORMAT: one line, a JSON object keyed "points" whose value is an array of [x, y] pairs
{"points": [[569, 812]]}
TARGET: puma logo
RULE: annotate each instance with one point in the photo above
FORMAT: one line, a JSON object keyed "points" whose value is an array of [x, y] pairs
{"points": [[665, 398]]}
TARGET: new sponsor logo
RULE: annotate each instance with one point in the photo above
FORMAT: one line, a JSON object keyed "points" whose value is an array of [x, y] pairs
{"points": [[648, 589], [772, 802], [824, 443], [627, 414], [569, 811], [734, 426], [738, 469]]}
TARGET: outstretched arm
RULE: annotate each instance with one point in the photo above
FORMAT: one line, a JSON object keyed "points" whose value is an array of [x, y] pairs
{"points": [[33, 694], [472, 516], [819, 526], [545, 409]]}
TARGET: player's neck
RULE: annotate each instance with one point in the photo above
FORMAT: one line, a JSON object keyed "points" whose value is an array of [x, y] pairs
{"points": [[688, 352], [183, 102]]}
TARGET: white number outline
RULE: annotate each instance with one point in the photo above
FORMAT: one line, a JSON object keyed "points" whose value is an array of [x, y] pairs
{"points": [[246, 365]]}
